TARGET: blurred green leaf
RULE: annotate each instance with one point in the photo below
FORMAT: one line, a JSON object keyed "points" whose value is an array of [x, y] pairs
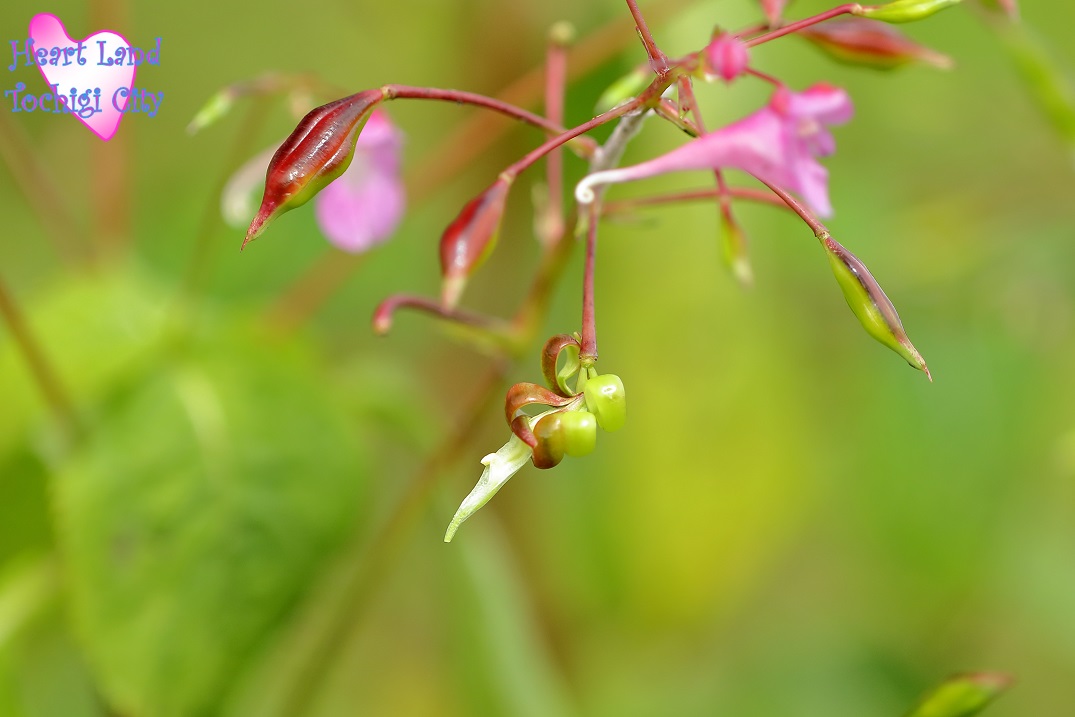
{"points": [[962, 696], [197, 513], [94, 328], [26, 588]]}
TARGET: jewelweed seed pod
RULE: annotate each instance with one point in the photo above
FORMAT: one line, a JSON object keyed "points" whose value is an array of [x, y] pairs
{"points": [[580, 432], [550, 448], [318, 151], [868, 302], [904, 10]]}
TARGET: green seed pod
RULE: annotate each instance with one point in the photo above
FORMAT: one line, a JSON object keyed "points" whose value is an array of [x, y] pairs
{"points": [[580, 432], [904, 10], [606, 399], [868, 301]]}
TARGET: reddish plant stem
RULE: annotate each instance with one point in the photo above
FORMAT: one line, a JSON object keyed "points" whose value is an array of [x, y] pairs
{"points": [[649, 96], [552, 223], [384, 315], [657, 59], [763, 76], [490, 103], [40, 367], [819, 229], [796, 26], [588, 345]]}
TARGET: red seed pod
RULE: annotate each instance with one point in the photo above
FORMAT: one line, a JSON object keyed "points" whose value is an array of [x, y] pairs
{"points": [[523, 394], [873, 43], [315, 153], [469, 239]]}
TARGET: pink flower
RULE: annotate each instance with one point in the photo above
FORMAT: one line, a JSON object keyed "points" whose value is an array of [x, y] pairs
{"points": [[359, 210], [779, 144]]}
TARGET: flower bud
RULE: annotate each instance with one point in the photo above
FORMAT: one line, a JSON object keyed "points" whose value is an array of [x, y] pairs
{"points": [[606, 399], [872, 43], [904, 10], [725, 57], [315, 153], [469, 240], [874, 310]]}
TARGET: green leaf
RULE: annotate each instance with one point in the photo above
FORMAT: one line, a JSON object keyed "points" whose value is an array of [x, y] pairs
{"points": [[962, 696], [196, 514]]}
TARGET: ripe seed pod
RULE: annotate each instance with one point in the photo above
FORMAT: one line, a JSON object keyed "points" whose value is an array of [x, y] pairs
{"points": [[606, 399], [318, 151], [549, 433], [580, 432], [868, 301]]}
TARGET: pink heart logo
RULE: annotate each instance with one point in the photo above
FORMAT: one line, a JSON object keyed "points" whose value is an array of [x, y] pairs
{"points": [[74, 70]]}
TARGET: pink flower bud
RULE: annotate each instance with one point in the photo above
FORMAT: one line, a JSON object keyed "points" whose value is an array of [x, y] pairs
{"points": [[870, 42], [469, 240], [726, 57], [315, 153]]}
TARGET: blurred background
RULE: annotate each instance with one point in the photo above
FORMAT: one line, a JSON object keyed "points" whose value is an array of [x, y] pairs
{"points": [[230, 497]]}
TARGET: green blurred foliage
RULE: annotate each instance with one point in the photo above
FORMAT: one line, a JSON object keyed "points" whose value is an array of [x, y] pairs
{"points": [[791, 522]]}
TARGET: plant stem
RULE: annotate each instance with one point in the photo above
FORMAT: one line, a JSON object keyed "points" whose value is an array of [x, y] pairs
{"points": [[796, 26], [497, 331], [40, 367], [658, 60], [588, 345], [551, 223], [819, 229], [391, 92]]}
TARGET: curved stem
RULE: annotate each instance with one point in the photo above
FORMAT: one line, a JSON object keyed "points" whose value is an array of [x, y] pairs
{"points": [[744, 193], [500, 332], [819, 229], [585, 147]]}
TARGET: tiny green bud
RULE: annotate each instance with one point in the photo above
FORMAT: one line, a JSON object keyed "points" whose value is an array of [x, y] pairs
{"points": [[580, 432], [606, 399], [904, 10]]}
